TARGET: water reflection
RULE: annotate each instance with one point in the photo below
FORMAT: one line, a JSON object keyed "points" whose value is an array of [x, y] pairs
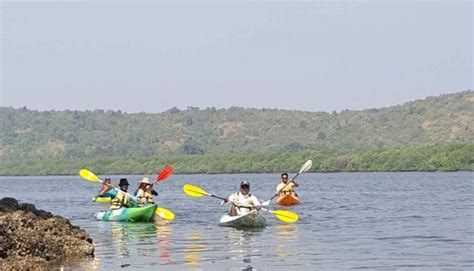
{"points": [[288, 230], [138, 234], [286, 236], [196, 247], [243, 245], [88, 264], [163, 236]]}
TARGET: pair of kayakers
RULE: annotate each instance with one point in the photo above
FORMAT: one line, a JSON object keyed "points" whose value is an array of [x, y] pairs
{"points": [[144, 194], [243, 201]]}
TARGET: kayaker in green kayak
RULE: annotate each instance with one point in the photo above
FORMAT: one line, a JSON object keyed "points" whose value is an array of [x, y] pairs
{"points": [[242, 201], [107, 190], [145, 191], [121, 200]]}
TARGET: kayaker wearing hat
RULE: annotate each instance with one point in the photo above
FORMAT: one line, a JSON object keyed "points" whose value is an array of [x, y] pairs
{"points": [[242, 201], [120, 200], [286, 187], [145, 191]]}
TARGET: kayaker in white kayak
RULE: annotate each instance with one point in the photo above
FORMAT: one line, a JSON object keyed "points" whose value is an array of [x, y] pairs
{"points": [[121, 200], [145, 191], [286, 187], [242, 201]]}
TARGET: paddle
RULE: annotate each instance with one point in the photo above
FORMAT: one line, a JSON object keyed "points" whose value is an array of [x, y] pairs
{"points": [[164, 174], [90, 176], [306, 166], [197, 192]]}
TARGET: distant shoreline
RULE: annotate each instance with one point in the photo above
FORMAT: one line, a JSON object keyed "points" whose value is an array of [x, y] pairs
{"points": [[442, 158], [235, 173]]}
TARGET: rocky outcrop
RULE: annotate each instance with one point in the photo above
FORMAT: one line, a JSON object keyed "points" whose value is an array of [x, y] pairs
{"points": [[32, 239]]}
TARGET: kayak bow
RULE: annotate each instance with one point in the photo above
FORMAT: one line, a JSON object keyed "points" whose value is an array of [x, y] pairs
{"points": [[252, 219], [132, 214]]}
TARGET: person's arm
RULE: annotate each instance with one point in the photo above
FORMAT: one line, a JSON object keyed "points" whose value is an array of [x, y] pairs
{"points": [[153, 191], [256, 203], [103, 189], [231, 198], [278, 189], [141, 196], [295, 184]]}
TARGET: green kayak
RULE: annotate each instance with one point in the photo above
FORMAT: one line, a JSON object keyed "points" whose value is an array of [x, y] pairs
{"points": [[252, 219], [133, 214]]}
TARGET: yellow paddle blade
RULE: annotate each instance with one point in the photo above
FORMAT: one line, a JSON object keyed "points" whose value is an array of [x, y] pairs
{"points": [[286, 216], [88, 175], [194, 191], [164, 213]]}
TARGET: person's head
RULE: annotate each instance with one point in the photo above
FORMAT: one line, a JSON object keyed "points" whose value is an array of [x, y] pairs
{"points": [[145, 183], [244, 187], [123, 184], [106, 183], [284, 177]]}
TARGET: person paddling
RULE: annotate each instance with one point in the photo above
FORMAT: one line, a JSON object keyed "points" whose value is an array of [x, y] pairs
{"points": [[107, 190], [286, 187], [145, 191], [121, 200], [242, 201]]}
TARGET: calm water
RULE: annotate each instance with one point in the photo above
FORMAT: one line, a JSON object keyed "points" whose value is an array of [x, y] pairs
{"points": [[367, 221]]}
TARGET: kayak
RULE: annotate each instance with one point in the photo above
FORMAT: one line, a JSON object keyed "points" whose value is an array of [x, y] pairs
{"points": [[288, 199], [252, 219], [101, 200], [106, 197], [133, 214]]}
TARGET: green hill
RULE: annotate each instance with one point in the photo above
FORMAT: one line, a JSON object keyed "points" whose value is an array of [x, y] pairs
{"points": [[39, 137]]}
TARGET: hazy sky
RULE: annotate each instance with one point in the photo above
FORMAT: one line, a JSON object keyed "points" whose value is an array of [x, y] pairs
{"points": [[151, 56]]}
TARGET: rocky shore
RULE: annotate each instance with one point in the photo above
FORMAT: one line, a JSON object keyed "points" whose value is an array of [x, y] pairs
{"points": [[32, 239]]}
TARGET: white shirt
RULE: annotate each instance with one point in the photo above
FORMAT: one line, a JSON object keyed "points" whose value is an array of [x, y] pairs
{"points": [[242, 200]]}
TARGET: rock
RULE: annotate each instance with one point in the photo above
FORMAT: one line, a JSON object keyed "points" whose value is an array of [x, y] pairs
{"points": [[32, 239], [8, 205]]}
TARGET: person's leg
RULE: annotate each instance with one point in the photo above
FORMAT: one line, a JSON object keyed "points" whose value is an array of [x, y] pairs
{"points": [[233, 211]]}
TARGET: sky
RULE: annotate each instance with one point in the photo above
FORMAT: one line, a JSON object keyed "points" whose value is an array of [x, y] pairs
{"points": [[139, 56]]}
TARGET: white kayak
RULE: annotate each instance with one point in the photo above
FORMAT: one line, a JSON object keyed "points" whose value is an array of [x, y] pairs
{"points": [[252, 219]]}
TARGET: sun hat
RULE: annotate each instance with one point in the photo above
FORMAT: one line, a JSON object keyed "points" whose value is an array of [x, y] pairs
{"points": [[145, 180]]}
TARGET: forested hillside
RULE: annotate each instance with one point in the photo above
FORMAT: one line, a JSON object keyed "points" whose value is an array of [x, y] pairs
{"points": [[37, 136]]}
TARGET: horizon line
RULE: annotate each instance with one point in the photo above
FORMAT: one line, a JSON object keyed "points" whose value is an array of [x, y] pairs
{"points": [[190, 108]]}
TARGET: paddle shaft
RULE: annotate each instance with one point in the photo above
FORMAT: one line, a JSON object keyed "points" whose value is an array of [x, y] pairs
{"points": [[217, 197], [224, 199], [267, 210]]}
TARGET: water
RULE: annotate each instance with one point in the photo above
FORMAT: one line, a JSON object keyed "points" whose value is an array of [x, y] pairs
{"points": [[366, 221]]}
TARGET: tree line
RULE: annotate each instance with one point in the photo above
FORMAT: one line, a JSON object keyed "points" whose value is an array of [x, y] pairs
{"points": [[431, 158]]}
